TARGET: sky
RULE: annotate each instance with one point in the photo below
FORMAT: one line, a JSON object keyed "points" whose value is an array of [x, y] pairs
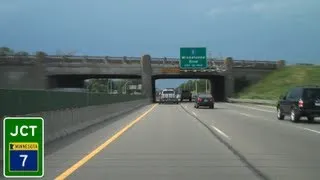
{"points": [[242, 29]]}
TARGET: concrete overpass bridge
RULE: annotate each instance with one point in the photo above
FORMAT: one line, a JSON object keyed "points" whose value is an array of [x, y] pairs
{"points": [[60, 72]]}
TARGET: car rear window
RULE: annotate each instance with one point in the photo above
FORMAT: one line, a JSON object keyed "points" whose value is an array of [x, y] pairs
{"points": [[168, 92], [311, 93]]}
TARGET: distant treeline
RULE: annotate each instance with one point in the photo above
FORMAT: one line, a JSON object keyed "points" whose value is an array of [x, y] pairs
{"points": [[5, 51]]}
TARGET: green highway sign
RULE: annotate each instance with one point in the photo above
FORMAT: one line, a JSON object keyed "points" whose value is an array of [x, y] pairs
{"points": [[23, 147], [193, 58]]}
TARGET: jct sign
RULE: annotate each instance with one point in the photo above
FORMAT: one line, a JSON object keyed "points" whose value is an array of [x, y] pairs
{"points": [[23, 147]]}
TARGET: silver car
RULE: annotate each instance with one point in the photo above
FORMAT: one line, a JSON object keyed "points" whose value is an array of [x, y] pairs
{"points": [[168, 96]]}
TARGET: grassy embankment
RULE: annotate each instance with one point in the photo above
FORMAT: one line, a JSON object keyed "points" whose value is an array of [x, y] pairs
{"points": [[278, 82]]}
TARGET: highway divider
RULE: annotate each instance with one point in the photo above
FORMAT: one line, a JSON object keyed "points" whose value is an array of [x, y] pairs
{"points": [[17, 101], [253, 101], [60, 122]]}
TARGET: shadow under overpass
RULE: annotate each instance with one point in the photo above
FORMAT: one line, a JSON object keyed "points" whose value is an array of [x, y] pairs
{"points": [[217, 83], [77, 81]]}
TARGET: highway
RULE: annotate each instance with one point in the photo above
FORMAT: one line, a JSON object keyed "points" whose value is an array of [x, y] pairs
{"points": [[163, 141]]}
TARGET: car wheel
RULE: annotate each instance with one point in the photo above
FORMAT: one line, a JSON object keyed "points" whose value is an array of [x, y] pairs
{"points": [[310, 118], [280, 115], [294, 117]]}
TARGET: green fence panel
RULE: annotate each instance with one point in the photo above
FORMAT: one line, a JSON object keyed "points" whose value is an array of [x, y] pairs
{"points": [[19, 102]]}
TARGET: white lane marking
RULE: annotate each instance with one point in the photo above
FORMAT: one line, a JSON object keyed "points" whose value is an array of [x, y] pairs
{"points": [[248, 115], [252, 108], [266, 106], [307, 129], [280, 122], [194, 113], [185, 106], [221, 132]]}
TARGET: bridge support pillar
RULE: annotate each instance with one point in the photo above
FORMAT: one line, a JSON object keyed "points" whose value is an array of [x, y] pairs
{"points": [[146, 76], [229, 85]]}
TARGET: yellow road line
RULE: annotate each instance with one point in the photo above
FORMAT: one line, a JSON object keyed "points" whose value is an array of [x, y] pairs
{"points": [[81, 162]]}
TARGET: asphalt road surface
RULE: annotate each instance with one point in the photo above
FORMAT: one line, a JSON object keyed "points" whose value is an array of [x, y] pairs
{"points": [[180, 142]]}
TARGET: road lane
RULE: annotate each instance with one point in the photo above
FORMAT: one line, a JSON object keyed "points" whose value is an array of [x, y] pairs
{"points": [[166, 144], [277, 148], [269, 113]]}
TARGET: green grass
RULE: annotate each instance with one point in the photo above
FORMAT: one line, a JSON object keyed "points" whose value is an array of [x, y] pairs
{"points": [[279, 81]]}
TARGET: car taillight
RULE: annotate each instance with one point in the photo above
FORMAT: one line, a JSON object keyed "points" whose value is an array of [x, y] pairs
{"points": [[199, 99], [300, 103]]}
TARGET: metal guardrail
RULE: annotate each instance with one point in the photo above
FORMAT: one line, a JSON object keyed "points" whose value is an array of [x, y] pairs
{"points": [[178, 70], [51, 59]]}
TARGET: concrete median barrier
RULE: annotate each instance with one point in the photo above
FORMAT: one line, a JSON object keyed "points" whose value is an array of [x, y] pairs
{"points": [[61, 123]]}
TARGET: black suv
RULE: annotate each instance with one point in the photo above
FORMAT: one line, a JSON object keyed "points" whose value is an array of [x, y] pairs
{"points": [[299, 102], [185, 94]]}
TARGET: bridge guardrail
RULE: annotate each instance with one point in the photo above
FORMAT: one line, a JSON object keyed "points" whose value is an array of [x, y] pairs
{"points": [[80, 63], [124, 59]]}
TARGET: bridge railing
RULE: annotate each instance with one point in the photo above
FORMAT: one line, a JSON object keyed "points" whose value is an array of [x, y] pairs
{"points": [[52, 59]]}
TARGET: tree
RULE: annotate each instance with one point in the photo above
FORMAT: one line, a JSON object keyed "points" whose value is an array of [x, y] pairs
{"points": [[119, 85], [228, 62], [103, 85], [189, 85], [281, 63], [41, 55], [98, 85], [194, 85], [5, 51]]}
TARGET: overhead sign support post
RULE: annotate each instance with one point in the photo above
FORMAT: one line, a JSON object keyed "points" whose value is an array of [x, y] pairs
{"points": [[23, 147], [193, 58]]}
